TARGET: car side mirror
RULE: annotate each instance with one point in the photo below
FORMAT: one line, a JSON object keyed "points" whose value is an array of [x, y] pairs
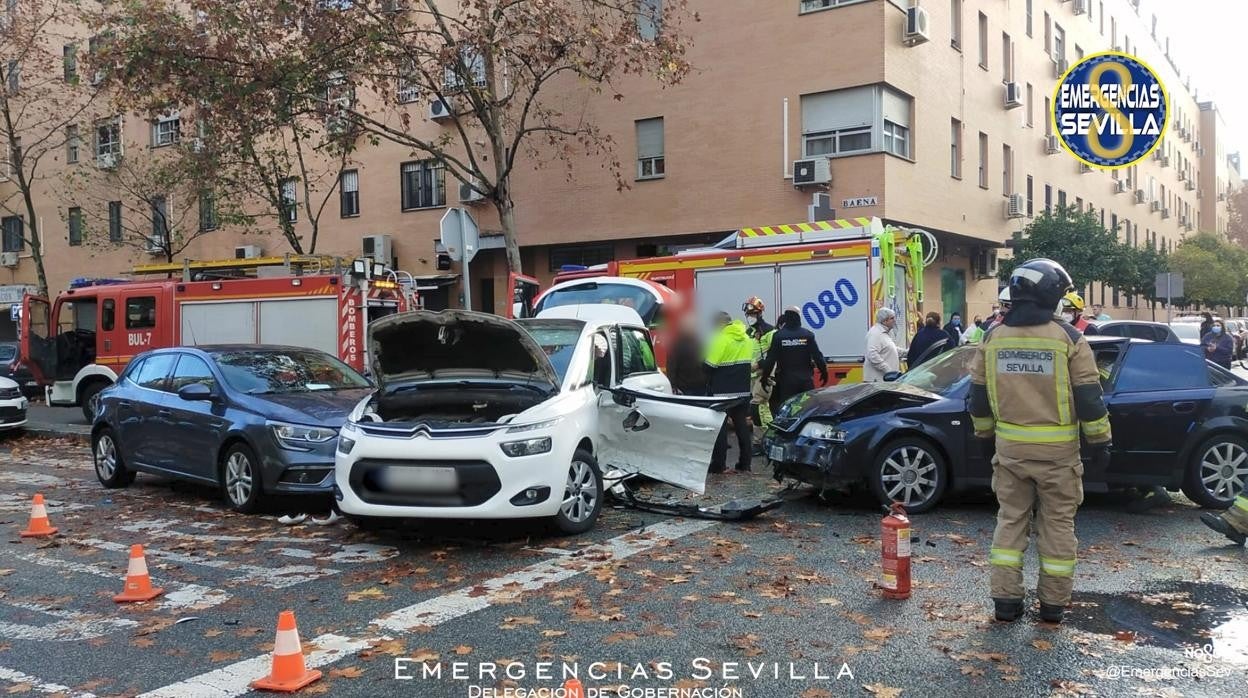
{"points": [[636, 421], [892, 376], [196, 391], [623, 399]]}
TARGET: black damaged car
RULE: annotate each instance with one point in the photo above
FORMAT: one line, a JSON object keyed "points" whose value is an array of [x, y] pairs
{"points": [[1178, 421]]}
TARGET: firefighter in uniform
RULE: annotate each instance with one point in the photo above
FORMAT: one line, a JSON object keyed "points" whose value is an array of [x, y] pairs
{"points": [[1034, 384], [761, 332], [795, 356], [1233, 523]]}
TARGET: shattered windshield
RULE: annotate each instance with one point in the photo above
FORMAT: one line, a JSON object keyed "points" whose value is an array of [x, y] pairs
{"points": [[286, 371], [943, 374]]}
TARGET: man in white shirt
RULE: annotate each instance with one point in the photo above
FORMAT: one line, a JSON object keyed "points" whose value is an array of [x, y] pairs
{"points": [[882, 357]]}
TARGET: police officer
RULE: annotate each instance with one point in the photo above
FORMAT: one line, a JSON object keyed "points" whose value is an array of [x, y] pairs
{"points": [[795, 356], [761, 332], [1034, 384], [729, 359]]}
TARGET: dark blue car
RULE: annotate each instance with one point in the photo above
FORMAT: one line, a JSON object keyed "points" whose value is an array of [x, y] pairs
{"points": [[252, 420]]}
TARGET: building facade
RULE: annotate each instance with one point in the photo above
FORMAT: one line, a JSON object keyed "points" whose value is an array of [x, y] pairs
{"points": [[951, 134]]}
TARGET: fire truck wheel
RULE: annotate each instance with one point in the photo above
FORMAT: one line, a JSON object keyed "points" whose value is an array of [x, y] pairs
{"points": [[909, 470], [240, 478], [109, 467], [89, 398]]}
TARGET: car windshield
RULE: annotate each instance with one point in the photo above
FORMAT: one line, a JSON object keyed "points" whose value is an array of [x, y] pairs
{"points": [[557, 338], [272, 371], [8, 352], [592, 292], [1186, 330], [943, 374]]}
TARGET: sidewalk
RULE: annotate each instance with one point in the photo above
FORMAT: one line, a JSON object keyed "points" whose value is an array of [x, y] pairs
{"points": [[56, 421]]}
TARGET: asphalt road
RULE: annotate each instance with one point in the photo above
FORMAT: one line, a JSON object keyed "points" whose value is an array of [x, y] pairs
{"points": [[644, 600]]}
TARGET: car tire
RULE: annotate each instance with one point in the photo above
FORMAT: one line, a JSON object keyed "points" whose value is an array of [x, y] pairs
{"points": [[1217, 457], [240, 479], [88, 398], [909, 460], [109, 467], [582, 495]]}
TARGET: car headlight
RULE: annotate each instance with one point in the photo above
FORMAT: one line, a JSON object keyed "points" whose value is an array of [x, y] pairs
{"points": [[824, 432], [527, 447], [535, 426], [300, 437]]}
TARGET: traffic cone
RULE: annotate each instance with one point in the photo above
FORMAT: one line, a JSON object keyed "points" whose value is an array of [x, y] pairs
{"points": [[39, 526], [288, 673], [138, 582], [573, 688]]}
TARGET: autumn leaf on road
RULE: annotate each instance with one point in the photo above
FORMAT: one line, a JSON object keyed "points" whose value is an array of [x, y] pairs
{"points": [[462, 650], [1043, 645], [513, 623], [882, 691], [349, 672], [554, 633], [816, 693], [878, 634], [220, 656], [369, 593]]}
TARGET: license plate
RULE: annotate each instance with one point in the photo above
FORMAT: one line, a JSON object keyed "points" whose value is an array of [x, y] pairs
{"points": [[419, 480], [776, 453]]}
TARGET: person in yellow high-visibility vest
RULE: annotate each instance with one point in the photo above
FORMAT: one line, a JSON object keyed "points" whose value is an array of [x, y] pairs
{"points": [[1232, 523], [761, 332]]}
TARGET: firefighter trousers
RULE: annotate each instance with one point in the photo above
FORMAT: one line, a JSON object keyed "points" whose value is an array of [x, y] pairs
{"points": [[1053, 490], [1237, 515]]}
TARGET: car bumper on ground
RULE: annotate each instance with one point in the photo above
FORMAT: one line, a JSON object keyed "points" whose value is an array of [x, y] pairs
{"points": [[464, 478]]}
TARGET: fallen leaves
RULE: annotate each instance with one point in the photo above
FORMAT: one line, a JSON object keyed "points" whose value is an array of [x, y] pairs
{"points": [[371, 593], [1042, 645], [348, 672], [1125, 636], [882, 691], [463, 649], [554, 633], [223, 656], [512, 623]]}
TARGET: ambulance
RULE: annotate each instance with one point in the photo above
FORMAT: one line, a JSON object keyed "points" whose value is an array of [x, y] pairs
{"points": [[838, 273], [77, 344]]}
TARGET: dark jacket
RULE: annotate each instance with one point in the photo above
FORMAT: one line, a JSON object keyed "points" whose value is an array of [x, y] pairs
{"points": [[955, 334], [795, 356], [684, 366], [923, 340], [1223, 348]]}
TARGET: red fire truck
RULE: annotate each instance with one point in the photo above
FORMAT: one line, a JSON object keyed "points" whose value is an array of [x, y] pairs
{"points": [[837, 272], [78, 344]]}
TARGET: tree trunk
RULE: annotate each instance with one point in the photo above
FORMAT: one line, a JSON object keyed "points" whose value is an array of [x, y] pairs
{"points": [[507, 218], [36, 248]]}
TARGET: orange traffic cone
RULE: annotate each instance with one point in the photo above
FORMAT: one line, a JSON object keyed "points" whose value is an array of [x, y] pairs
{"points": [[138, 582], [573, 688], [39, 526], [288, 673]]}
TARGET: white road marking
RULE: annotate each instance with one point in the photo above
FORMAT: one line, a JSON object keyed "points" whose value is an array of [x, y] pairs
{"points": [[20, 502], [273, 577], [72, 627], [40, 685], [34, 479], [180, 596], [162, 528], [233, 680], [349, 553]]}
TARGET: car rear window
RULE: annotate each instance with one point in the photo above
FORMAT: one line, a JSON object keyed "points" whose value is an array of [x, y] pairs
{"points": [[1150, 367]]}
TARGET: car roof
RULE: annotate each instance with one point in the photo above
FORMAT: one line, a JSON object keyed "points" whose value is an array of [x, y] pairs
{"points": [[224, 348], [594, 315]]}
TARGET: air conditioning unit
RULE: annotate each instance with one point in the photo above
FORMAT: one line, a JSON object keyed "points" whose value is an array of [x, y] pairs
{"points": [[1139, 196], [1079, 7], [1013, 95], [1120, 186], [1182, 176], [986, 262], [1084, 168], [1060, 66], [1154, 206], [154, 245], [812, 171], [1165, 213], [1190, 185], [1015, 206], [468, 195], [378, 248], [1051, 145], [439, 110], [917, 21], [248, 252], [1165, 160], [107, 161], [8, 259]]}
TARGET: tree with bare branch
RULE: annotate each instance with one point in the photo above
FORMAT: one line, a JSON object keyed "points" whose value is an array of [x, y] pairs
{"points": [[515, 77]]}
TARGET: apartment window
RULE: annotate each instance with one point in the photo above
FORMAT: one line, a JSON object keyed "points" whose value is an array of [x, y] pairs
{"points": [[955, 24], [1007, 170], [75, 226], [983, 41], [114, 221], [1061, 199], [107, 140], [15, 156], [1007, 58], [14, 76], [160, 221], [423, 184], [166, 130], [1031, 107], [816, 5], [839, 122], [955, 149], [288, 199], [72, 144], [1113, 225], [1059, 42], [1030, 186], [1079, 204], [649, 16], [349, 193], [1028, 21], [650, 162], [1048, 34], [983, 160], [471, 63], [1048, 123], [69, 61], [896, 108], [1048, 198], [407, 88], [207, 211], [14, 234]]}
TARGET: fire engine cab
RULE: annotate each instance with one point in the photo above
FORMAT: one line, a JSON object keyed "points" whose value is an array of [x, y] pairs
{"points": [[77, 345], [838, 273]]}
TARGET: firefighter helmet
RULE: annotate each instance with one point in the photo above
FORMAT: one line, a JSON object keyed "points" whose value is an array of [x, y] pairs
{"points": [[753, 306], [1073, 300], [1004, 297], [1040, 281]]}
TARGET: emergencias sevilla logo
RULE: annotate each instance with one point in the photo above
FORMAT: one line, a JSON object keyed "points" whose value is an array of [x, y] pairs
{"points": [[1110, 110]]}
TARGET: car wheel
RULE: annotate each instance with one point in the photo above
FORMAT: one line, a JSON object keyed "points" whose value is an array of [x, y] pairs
{"points": [[240, 478], [910, 471], [1217, 472], [109, 467], [90, 399], [582, 495]]}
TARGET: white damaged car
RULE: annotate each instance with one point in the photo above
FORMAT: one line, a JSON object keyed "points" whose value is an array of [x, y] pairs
{"points": [[480, 417]]}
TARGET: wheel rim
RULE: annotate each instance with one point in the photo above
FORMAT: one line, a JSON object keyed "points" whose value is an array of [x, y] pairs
{"points": [[1224, 470], [93, 403], [909, 475], [105, 457], [238, 478], [580, 497]]}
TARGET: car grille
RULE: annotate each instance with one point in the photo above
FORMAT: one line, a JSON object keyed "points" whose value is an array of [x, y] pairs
{"points": [[11, 414], [784, 423], [478, 482], [10, 393], [407, 431]]}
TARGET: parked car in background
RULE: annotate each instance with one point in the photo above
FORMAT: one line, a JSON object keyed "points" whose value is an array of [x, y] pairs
{"points": [[12, 406], [1188, 332], [1179, 422], [252, 420], [13, 368], [1134, 329]]}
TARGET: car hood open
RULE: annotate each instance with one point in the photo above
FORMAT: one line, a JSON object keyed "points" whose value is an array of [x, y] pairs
{"points": [[841, 400], [454, 344]]}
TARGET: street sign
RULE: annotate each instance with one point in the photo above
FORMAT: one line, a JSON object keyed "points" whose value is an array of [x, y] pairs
{"points": [[460, 235], [1169, 285]]}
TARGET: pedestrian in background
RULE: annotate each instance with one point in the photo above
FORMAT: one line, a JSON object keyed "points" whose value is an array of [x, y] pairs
{"points": [[954, 329], [1099, 314], [1219, 346], [685, 367], [882, 357], [1206, 324], [728, 361], [795, 356], [975, 332], [927, 337]]}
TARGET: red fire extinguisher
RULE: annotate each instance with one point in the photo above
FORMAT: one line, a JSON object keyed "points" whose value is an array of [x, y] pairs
{"points": [[895, 553]]}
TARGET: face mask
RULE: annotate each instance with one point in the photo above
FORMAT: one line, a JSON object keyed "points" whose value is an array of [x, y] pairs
{"points": [[1068, 317], [751, 320], [957, 322], [1216, 330]]}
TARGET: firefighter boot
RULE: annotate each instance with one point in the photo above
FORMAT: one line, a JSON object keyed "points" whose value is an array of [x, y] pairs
{"points": [[1008, 610], [1222, 526], [1050, 613]]}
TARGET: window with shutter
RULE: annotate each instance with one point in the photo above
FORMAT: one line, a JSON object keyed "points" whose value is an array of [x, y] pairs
{"points": [[650, 160]]}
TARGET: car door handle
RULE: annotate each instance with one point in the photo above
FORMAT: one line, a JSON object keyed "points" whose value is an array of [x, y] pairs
{"points": [[1184, 407], [125, 403]]}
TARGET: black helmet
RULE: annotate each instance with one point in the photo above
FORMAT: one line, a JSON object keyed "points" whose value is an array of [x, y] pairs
{"points": [[1040, 281]]}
